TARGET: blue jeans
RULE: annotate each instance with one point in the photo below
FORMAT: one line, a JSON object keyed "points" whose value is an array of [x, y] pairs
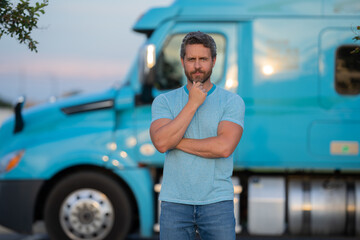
{"points": [[212, 221]]}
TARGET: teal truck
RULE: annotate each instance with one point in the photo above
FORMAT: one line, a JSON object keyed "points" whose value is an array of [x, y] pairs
{"points": [[85, 165]]}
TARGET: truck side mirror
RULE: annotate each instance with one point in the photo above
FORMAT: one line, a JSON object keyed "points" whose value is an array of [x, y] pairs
{"points": [[147, 72], [150, 56]]}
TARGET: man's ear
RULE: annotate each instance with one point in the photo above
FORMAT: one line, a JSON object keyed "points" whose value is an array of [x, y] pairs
{"points": [[182, 61]]}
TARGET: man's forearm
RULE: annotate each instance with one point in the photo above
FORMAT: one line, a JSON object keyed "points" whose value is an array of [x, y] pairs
{"points": [[169, 135], [220, 146], [213, 147]]}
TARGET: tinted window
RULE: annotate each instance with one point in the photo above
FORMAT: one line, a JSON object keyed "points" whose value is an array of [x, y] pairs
{"points": [[169, 71], [347, 71]]}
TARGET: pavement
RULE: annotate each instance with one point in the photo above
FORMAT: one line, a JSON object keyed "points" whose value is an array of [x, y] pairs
{"points": [[40, 234]]}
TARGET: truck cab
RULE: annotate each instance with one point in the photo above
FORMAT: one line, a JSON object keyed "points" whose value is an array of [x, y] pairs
{"points": [[86, 166]]}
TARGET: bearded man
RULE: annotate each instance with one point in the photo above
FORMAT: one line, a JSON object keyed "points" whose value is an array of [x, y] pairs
{"points": [[198, 126]]}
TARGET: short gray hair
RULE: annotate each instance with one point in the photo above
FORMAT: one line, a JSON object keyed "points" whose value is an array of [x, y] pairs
{"points": [[198, 38]]}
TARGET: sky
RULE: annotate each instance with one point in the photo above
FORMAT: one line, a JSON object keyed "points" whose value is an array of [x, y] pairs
{"points": [[84, 45]]}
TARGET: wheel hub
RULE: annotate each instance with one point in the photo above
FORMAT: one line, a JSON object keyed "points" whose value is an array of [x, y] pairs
{"points": [[87, 214]]}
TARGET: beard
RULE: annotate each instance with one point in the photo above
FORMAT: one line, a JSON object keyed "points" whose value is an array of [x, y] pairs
{"points": [[202, 79]]}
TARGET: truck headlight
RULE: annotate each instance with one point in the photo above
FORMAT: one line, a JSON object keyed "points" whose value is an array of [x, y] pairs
{"points": [[11, 160]]}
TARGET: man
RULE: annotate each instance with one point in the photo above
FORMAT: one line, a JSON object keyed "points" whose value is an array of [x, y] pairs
{"points": [[198, 126]]}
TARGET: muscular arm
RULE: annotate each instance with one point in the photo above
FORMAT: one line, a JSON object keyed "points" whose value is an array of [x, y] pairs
{"points": [[166, 133], [221, 146]]}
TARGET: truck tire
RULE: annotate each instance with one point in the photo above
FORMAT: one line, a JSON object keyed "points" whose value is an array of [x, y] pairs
{"points": [[87, 205]]}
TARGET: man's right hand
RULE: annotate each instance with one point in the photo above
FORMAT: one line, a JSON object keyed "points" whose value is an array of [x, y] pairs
{"points": [[197, 94]]}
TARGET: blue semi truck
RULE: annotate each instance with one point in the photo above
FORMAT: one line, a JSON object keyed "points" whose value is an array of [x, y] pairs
{"points": [[85, 165]]}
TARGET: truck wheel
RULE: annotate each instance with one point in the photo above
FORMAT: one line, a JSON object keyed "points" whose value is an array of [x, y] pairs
{"points": [[87, 205]]}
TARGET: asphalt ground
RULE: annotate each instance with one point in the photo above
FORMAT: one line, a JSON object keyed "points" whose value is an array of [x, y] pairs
{"points": [[14, 236], [44, 237], [40, 234]]}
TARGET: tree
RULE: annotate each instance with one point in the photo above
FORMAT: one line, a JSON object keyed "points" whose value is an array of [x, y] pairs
{"points": [[356, 38], [19, 21]]}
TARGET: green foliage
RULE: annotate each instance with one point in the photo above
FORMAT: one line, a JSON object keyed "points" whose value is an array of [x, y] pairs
{"points": [[356, 38], [18, 21]]}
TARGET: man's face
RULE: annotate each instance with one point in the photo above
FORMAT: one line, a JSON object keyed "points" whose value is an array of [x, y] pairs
{"points": [[197, 63]]}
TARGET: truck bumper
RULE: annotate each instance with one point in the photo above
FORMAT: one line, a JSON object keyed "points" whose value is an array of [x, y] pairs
{"points": [[17, 204]]}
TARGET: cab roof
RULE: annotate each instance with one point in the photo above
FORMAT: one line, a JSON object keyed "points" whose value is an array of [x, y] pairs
{"points": [[240, 10]]}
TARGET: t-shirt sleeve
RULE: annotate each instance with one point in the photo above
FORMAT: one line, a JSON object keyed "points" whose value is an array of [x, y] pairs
{"points": [[160, 108], [235, 110]]}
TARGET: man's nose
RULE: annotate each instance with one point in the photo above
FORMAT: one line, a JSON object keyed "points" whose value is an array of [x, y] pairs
{"points": [[197, 64]]}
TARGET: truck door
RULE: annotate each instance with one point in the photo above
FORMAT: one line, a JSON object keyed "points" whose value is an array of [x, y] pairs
{"points": [[168, 73]]}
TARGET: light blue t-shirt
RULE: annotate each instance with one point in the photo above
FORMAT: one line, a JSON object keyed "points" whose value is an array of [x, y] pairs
{"points": [[187, 178]]}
